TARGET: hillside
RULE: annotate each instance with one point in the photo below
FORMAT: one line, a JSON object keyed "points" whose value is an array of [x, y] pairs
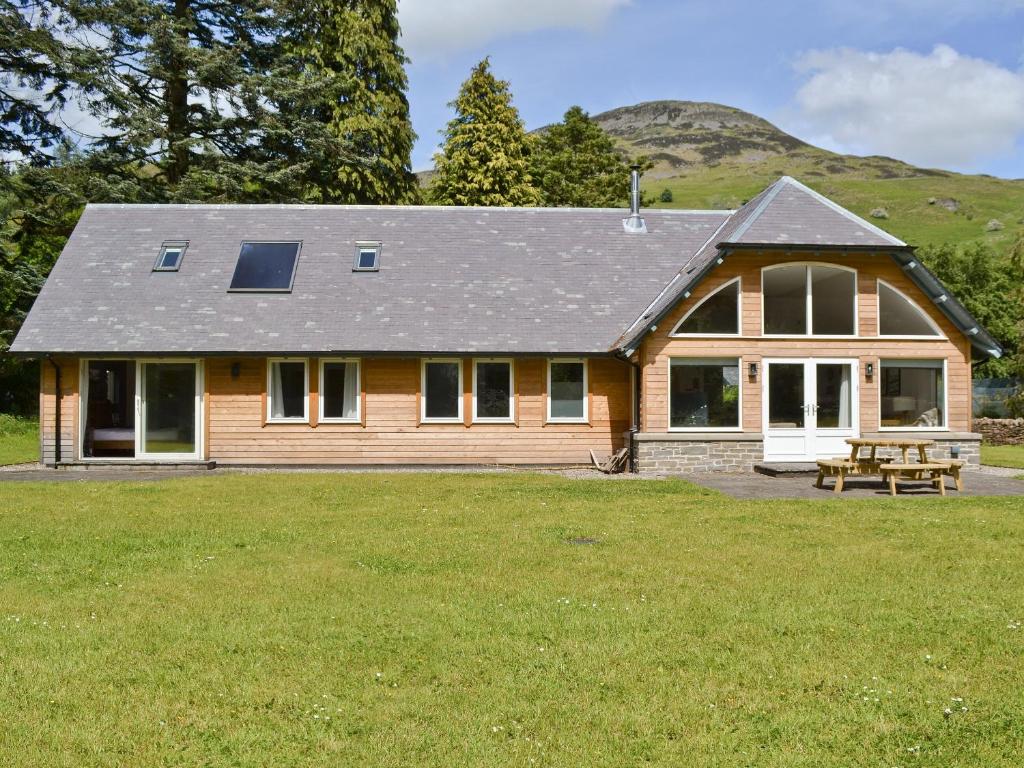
{"points": [[714, 156]]}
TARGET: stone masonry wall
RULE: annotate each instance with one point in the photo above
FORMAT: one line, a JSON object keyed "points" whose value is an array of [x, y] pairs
{"points": [[690, 457], [970, 451], [1001, 431]]}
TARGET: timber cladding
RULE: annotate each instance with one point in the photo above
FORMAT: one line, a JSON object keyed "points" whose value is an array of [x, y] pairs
{"points": [[393, 433], [659, 346]]}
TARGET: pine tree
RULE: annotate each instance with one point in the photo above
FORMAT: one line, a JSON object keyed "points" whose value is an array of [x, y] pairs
{"points": [[342, 116], [34, 80], [576, 165], [485, 157]]}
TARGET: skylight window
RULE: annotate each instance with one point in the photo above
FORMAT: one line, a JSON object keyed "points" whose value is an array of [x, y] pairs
{"points": [[265, 267], [367, 257], [170, 256]]}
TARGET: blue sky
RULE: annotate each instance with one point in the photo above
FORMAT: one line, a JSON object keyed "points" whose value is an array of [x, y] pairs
{"points": [[939, 84]]}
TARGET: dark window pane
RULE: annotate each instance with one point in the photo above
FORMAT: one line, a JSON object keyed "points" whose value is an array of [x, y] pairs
{"points": [[169, 258], [367, 258], [442, 391], [705, 393], [110, 409], [785, 300], [898, 317], [912, 394], [835, 395], [567, 391], [288, 390], [786, 399], [340, 390], [718, 314], [169, 392], [832, 295], [493, 390], [265, 267]]}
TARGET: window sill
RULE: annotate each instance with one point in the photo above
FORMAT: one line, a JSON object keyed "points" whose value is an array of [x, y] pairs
{"points": [[568, 421], [705, 429], [484, 420], [451, 420], [296, 420], [356, 420], [913, 429]]}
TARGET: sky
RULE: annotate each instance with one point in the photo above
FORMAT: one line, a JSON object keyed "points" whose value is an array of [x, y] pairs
{"points": [[937, 84]]}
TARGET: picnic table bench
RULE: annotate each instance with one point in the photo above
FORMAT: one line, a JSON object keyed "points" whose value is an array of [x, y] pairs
{"points": [[890, 468]]}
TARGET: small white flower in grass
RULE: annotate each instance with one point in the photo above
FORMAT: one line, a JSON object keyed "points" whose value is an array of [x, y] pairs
{"points": [[380, 675]]}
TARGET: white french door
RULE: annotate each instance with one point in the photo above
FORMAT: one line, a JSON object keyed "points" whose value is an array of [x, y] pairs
{"points": [[810, 407]]}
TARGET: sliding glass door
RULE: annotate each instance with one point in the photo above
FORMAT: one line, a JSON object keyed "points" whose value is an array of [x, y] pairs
{"points": [[142, 409]]}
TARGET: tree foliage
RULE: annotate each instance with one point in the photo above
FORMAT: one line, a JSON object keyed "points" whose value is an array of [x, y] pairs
{"points": [[990, 288], [575, 164], [485, 159]]}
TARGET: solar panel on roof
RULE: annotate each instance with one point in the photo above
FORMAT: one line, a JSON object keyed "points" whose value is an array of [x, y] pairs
{"points": [[265, 267]]}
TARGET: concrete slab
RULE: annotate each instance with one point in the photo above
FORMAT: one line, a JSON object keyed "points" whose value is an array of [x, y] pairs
{"points": [[757, 486]]}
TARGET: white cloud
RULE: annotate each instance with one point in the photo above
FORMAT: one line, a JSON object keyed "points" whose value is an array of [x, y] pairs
{"points": [[939, 109], [433, 28]]}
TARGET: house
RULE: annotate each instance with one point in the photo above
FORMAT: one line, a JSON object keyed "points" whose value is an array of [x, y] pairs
{"points": [[706, 340]]}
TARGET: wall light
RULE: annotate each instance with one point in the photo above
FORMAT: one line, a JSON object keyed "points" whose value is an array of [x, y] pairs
{"points": [[236, 370], [869, 371], [752, 370]]}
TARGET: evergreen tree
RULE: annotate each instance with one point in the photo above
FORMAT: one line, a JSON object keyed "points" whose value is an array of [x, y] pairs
{"points": [[33, 79], [575, 164], [485, 157], [341, 118]]}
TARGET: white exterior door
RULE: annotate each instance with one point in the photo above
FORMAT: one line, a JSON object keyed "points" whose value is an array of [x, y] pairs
{"points": [[810, 408], [169, 410]]}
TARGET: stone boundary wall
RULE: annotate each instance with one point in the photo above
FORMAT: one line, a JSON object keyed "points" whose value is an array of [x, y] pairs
{"points": [[1001, 431]]}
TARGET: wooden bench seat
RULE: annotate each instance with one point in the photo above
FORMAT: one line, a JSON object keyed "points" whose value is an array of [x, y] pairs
{"points": [[837, 468], [915, 471]]}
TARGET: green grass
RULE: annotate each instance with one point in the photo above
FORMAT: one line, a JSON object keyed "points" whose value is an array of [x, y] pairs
{"points": [[443, 620], [19, 439], [1003, 455]]}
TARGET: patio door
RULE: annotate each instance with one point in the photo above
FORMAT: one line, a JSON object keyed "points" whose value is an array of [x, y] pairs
{"points": [[169, 396], [810, 408]]}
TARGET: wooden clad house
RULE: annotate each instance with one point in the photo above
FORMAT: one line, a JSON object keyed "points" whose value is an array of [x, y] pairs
{"points": [[705, 340]]}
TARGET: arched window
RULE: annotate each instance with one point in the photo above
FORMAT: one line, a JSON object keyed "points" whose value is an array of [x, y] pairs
{"points": [[809, 300], [717, 314], [898, 315]]}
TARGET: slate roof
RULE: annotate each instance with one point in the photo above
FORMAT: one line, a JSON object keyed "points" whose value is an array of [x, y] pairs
{"points": [[451, 280], [481, 280], [791, 215]]}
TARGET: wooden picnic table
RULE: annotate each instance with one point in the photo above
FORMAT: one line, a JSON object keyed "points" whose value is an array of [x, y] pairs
{"points": [[856, 443]]}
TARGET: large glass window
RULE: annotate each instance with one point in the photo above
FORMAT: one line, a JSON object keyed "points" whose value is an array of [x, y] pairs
{"points": [[492, 390], [816, 299], [339, 390], [913, 394], [287, 390], [110, 409], [717, 314], [265, 267], [899, 316], [567, 390], [704, 394], [442, 390]]}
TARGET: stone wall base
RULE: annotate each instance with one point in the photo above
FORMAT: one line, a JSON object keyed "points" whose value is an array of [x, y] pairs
{"points": [[694, 456]]}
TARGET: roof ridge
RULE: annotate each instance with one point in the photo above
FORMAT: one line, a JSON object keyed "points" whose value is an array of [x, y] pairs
{"points": [[770, 193], [362, 207]]}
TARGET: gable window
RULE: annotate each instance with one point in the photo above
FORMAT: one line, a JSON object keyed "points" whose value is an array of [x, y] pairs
{"points": [[339, 390], [809, 300], [567, 391], [442, 390], [704, 393], [913, 394], [367, 257], [715, 315], [169, 259], [265, 267], [898, 315], [287, 390], [493, 393]]}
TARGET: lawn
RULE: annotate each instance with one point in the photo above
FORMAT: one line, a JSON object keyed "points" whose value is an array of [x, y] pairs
{"points": [[19, 439], [503, 620], [1003, 455]]}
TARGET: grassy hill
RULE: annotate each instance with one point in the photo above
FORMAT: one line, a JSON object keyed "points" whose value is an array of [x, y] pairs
{"points": [[714, 156]]}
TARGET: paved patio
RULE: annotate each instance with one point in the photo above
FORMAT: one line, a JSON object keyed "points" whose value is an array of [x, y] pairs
{"points": [[757, 486]]}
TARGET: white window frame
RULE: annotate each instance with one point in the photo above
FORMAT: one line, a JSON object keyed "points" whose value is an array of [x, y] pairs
{"points": [[676, 333], [586, 391], [809, 303], [367, 245], [910, 362], [938, 336], [708, 361], [423, 391], [511, 391], [304, 419], [321, 419], [179, 245]]}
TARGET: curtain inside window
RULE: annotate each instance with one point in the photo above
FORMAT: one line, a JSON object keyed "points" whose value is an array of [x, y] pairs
{"points": [[350, 392], [276, 392], [844, 398]]}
